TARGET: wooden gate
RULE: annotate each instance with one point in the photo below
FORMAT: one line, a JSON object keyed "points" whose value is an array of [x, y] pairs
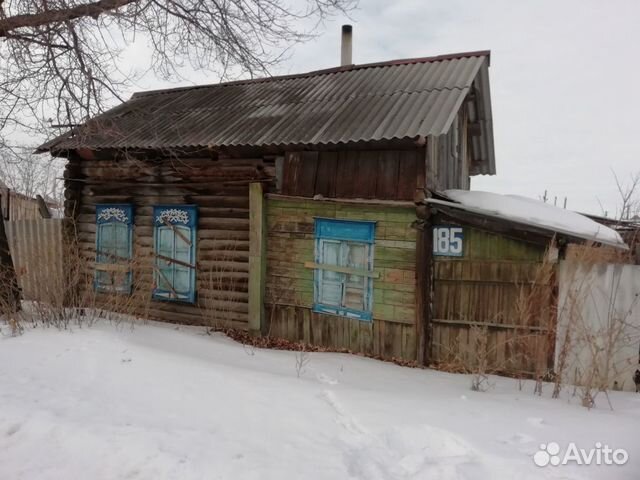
{"points": [[492, 303]]}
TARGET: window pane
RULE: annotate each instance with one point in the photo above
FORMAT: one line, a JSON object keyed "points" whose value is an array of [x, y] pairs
{"points": [[165, 245], [165, 278], [113, 246], [174, 243], [357, 255], [356, 258], [182, 279], [122, 254], [103, 278], [121, 235], [354, 297], [331, 256], [106, 242], [182, 249], [331, 293], [347, 244], [107, 235], [120, 278]]}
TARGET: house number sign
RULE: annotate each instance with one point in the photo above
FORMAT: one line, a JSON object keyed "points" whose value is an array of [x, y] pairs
{"points": [[448, 241]]}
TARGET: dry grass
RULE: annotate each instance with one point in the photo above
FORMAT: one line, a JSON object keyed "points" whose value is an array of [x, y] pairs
{"points": [[62, 293], [591, 339], [520, 349], [222, 290]]}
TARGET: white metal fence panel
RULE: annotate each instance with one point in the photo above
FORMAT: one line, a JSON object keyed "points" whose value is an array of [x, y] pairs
{"points": [[598, 333]]}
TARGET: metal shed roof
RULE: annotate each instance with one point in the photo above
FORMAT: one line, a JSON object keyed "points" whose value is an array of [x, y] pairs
{"points": [[383, 101]]}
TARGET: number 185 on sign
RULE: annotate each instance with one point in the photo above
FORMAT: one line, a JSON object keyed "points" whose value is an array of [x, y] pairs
{"points": [[448, 241]]}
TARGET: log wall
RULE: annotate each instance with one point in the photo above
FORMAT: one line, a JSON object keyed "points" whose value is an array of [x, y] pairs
{"points": [[220, 189], [289, 289]]}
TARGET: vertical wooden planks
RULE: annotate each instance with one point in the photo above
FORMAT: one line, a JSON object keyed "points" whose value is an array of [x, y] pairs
{"points": [[381, 174], [367, 178], [387, 175], [366, 337], [354, 337], [480, 292], [306, 329], [407, 177], [327, 173], [292, 169], [257, 259], [37, 251], [347, 175], [307, 175], [299, 173]]}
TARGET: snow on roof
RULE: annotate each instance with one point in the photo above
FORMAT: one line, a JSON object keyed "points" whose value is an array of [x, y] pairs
{"points": [[536, 213]]}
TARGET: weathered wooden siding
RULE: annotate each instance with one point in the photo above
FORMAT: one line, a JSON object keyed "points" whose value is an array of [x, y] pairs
{"points": [[37, 252], [450, 156], [380, 174], [220, 190], [16, 206], [500, 287], [289, 292]]}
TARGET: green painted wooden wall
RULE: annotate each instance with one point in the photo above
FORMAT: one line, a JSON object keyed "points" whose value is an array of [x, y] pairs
{"points": [[289, 289]]}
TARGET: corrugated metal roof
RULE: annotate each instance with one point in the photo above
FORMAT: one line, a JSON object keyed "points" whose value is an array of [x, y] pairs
{"points": [[382, 101]]}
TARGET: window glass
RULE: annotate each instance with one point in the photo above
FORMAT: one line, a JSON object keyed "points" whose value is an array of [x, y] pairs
{"points": [[175, 251], [113, 247], [343, 250]]}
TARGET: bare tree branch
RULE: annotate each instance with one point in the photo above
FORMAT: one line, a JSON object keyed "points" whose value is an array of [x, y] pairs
{"points": [[47, 17], [629, 196], [62, 60]]}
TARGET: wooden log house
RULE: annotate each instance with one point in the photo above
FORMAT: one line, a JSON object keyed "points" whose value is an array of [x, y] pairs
{"points": [[306, 207], [290, 206]]}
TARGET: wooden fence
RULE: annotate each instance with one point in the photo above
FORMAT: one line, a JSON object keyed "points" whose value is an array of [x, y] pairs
{"points": [[37, 252], [494, 299]]}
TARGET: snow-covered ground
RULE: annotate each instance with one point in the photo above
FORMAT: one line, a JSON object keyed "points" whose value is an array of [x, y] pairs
{"points": [[161, 402]]}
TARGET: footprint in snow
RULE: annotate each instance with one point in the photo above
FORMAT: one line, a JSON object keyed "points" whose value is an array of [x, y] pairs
{"points": [[535, 421], [13, 429], [322, 378], [347, 421], [413, 452], [516, 439]]}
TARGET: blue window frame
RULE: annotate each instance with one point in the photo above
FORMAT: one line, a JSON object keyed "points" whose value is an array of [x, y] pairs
{"points": [[113, 247], [344, 253], [174, 239]]}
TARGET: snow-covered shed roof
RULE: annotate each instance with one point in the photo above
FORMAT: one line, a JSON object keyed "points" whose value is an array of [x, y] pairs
{"points": [[530, 212]]}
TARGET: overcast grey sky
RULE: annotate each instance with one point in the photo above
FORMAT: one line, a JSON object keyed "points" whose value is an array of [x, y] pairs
{"points": [[564, 78]]}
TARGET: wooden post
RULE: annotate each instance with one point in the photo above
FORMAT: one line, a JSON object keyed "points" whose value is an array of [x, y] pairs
{"points": [[42, 207], [257, 259], [9, 293], [431, 163], [424, 283]]}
